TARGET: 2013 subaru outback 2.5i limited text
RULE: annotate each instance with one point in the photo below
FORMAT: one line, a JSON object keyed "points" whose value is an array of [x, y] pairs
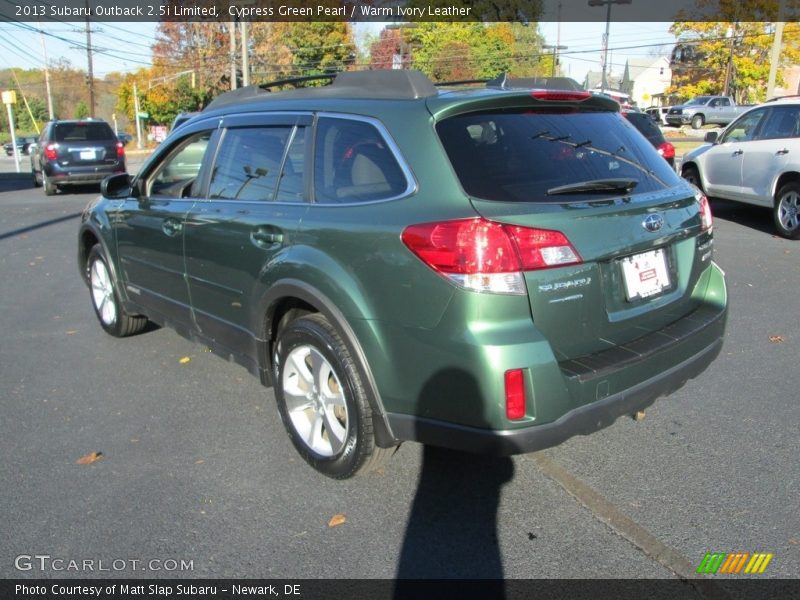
{"points": [[489, 269]]}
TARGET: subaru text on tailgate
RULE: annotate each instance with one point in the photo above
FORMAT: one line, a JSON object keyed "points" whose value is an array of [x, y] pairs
{"points": [[488, 269]]}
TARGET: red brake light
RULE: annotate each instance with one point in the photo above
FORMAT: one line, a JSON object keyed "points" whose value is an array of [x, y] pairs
{"points": [[120, 150], [515, 394], [486, 256], [706, 219], [560, 95], [666, 150], [50, 152]]}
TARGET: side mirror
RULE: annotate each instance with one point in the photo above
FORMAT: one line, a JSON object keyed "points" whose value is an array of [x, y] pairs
{"points": [[711, 137], [116, 186]]}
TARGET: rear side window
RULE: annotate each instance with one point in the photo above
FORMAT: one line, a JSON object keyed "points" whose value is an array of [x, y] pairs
{"points": [[353, 163], [248, 163], [517, 156], [84, 130], [783, 122]]}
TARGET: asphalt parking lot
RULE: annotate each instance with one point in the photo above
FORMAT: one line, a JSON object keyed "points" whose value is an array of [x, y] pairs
{"points": [[196, 467]]}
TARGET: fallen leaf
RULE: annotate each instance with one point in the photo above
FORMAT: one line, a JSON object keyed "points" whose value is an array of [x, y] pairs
{"points": [[337, 520], [199, 462], [776, 339], [134, 440], [787, 251], [184, 360], [71, 331], [793, 541], [89, 458]]}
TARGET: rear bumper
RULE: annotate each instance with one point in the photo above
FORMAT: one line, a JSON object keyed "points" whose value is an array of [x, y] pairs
{"points": [[697, 337], [82, 175]]}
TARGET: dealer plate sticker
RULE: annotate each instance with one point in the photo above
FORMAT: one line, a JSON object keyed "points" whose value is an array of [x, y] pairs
{"points": [[88, 155], [645, 274]]}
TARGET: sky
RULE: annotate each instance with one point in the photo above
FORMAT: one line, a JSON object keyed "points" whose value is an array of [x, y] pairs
{"points": [[125, 47]]}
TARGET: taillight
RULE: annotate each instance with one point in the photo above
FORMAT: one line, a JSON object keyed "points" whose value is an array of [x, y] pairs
{"points": [[515, 394], [560, 95], [120, 150], [485, 256], [706, 220], [50, 152], [666, 150]]}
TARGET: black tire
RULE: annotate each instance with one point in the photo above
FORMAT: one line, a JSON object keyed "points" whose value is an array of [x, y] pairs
{"points": [[786, 210], [105, 297], [692, 175], [309, 351], [37, 178], [698, 121], [50, 188]]}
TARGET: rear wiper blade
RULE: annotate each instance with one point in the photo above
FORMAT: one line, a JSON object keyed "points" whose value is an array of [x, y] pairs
{"points": [[595, 185]]}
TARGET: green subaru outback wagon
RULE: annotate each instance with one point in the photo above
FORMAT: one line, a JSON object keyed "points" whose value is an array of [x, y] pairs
{"points": [[491, 269]]}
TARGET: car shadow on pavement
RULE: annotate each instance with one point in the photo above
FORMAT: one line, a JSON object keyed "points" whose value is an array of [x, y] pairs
{"points": [[34, 227], [452, 528], [12, 182], [747, 215]]}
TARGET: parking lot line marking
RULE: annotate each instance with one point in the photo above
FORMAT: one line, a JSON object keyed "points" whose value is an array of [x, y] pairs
{"points": [[626, 527]]}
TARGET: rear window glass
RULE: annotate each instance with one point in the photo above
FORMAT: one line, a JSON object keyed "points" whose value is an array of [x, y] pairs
{"points": [[517, 156], [74, 132]]}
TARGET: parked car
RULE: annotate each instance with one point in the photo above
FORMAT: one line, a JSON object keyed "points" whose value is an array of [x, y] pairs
{"points": [[714, 110], [658, 114], [125, 138], [755, 160], [76, 153], [493, 270], [23, 145], [647, 127]]}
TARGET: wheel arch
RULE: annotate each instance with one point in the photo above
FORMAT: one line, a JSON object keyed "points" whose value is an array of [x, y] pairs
{"points": [[783, 179], [290, 294]]}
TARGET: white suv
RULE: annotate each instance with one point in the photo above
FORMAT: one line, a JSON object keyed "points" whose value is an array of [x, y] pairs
{"points": [[756, 160]]}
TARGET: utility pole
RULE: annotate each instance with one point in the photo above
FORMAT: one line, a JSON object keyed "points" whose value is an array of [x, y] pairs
{"points": [[232, 29], [50, 110], [729, 70], [136, 110], [608, 4], [555, 48], [245, 57], [90, 76], [775, 55]]}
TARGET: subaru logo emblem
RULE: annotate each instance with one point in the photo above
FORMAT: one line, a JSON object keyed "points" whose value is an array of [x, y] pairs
{"points": [[653, 222]]}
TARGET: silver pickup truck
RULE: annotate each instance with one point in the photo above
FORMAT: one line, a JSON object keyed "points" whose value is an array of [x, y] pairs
{"points": [[716, 110]]}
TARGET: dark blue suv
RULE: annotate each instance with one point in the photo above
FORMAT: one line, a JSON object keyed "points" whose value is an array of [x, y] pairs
{"points": [[76, 153]]}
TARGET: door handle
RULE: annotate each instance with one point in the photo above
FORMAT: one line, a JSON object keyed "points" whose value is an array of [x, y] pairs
{"points": [[738, 152], [263, 236], [171, 227], [783, 151]]}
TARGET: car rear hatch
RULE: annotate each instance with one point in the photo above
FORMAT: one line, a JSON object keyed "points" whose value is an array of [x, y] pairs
{"points": [[85, 144], [635, 242]]}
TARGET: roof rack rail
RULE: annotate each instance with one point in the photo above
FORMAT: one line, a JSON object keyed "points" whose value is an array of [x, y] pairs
{"points": [[295, 80], [383, 84], [460, 82], [504, 82]]}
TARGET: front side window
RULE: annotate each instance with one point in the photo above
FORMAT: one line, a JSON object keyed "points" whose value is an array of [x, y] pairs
{"points": [[353, 163], [745, 128], [248, 163], [176, 176]]}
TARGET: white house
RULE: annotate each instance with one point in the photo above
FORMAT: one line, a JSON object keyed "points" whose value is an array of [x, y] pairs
{"points": [[646, 77]]}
